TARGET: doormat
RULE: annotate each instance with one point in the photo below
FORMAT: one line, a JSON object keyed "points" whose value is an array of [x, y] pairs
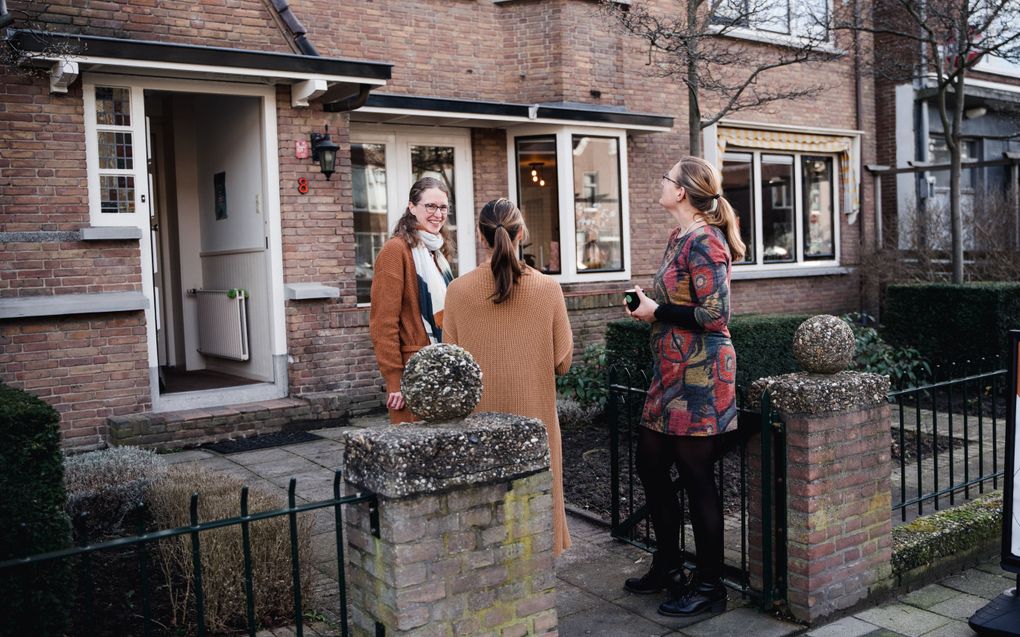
{"points": [[263, 441]]}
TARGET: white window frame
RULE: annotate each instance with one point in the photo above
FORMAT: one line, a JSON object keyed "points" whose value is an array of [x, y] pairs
{"points": [[782, 38], [565, 178], [799, 262], [398, 141], [139, 169]]}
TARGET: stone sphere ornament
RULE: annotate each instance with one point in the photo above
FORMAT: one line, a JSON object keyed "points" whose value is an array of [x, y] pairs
{"points": [[441, 382], [823, 344]]}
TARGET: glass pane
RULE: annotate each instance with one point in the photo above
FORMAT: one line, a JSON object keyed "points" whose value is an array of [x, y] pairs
{"points": [[818, 210], [113, 106], [437, 161], [536, 178], [117, 193], [115, 150], [598, 221], [772, 16], [777, 208], [368, 185], [737, 173]]}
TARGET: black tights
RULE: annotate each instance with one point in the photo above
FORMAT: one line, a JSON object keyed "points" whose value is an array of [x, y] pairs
{"points": [[695, 458]]}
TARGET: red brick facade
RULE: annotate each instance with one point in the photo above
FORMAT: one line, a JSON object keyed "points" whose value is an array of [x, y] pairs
{"points": [[518, 52]]}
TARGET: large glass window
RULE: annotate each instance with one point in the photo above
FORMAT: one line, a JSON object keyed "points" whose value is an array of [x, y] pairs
{"points": [[786, 205], [538, 186], [598, 216], [368, 184], [806, 18]]}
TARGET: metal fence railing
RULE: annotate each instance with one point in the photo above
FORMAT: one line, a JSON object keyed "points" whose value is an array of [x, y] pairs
{"points": [[88, 568], [947, 441]]}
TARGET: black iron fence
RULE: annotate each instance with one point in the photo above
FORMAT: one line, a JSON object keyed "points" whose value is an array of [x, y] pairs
{"points": [[629, 516], [84, 557], [948, 439]]}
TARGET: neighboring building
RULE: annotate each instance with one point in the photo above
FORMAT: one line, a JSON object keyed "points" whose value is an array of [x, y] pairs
{"points": [[535, 99]]}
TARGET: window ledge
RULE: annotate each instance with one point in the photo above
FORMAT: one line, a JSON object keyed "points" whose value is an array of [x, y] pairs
{"points": [[777, 39], [309, 291], [110, 233], [71, 304], [740, 274]]}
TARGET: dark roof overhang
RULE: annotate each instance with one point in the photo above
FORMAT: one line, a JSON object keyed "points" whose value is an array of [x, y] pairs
{"points": [[437, 111]]}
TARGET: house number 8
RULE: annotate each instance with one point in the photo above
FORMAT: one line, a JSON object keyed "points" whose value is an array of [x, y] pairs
{"points": [[302, 186]]}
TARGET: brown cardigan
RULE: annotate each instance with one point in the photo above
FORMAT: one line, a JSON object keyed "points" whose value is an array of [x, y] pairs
{"points": [[395, 319]]}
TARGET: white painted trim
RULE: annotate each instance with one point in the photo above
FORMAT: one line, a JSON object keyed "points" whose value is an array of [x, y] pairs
{"points": [[744, 273], [506, 120], [811, 130], [565, 177], [208, 70], [998, 86]]}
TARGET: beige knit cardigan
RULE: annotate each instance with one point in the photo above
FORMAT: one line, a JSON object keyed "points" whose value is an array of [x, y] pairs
{"points": [[520, 344]]}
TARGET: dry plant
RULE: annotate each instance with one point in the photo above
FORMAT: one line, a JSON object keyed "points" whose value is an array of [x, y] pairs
{"points": [[222, 552]]}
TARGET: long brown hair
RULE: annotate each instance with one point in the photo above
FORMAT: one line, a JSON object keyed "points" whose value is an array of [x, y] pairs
{"points": [[407, 226], [703, 184], [499, 222]]}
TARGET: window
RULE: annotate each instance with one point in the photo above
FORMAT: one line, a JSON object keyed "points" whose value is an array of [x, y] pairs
{"points": [[385, 162], [938, 153], [570, 185], [115, 151], [785, 205], [808, 19]]}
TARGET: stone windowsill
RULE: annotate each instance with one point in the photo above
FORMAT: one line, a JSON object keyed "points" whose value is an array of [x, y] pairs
{"points": [[72, 304], [110, 233], [309, 291]]}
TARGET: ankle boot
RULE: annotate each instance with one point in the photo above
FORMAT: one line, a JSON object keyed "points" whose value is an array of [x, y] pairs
{"points": [[699, 597], [659, 577]]}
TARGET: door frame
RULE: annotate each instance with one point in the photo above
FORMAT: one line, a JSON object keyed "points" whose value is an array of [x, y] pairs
{"points": [[272, 228]]}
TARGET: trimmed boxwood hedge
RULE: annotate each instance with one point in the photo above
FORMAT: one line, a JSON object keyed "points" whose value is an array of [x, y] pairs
{"points": [[34, 600], [952, 323], [763, 342]]}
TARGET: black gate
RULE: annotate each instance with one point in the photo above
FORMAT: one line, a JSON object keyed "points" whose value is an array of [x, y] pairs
{"points": [[751, 508]]}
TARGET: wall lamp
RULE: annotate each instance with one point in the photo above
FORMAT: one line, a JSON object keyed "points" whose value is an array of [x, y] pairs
{"points": [[324, 151]]}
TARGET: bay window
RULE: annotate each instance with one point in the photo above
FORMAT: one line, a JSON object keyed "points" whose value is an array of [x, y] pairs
{"points": [[570, 185], [785, 204]]}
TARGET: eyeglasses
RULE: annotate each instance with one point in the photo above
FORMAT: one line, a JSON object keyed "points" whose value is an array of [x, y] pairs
{"points": [[671, 180], [433, 208]]}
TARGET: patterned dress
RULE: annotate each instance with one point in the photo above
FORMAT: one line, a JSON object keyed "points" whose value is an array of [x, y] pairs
{"points": [[693, 392]]}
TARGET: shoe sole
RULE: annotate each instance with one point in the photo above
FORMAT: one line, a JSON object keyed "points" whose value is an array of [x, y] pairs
{"points": [[714, 607], [644, 591]]}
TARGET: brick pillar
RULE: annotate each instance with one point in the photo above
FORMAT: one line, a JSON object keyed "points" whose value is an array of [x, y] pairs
{"points": [[839, 506], [464, 545]]}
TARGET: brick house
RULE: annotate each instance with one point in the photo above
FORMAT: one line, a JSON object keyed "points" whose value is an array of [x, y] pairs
{"points": [[122, 278]]}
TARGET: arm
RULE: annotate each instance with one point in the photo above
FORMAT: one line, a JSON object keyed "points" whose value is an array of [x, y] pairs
{"points": [[563, 336], [708, 264], [384, 316], [450, 316]]}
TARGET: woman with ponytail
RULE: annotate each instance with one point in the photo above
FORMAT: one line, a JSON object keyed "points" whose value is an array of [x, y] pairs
{"points": [[409, 287], [513, 321], [691, 401]]}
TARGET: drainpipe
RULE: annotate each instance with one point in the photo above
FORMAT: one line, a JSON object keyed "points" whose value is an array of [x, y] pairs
{"points": [[858, 121], [297, 30], [351, 103]]}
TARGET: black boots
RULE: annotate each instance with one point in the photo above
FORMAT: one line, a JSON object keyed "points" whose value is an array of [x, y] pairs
{"points": [[661, 576], [694, 598]]}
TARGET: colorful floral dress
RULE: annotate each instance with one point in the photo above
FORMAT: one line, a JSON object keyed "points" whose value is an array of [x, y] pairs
{"points": [[693, 392]]}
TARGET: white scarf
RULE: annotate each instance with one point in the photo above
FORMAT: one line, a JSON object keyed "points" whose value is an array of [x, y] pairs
{"points": [[434, 275]]}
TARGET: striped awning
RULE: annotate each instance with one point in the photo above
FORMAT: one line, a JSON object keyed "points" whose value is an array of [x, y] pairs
{"points": [[843, 146]]}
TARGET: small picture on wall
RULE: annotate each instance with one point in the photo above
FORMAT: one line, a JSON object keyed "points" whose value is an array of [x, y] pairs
{"points": [[220, 195]]}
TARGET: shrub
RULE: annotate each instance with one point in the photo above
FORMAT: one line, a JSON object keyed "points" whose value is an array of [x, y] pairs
{"points": [[104, 487], [904, 366], [221, 550], [585, 382], [628, 356], [574, 415], [33, 599], [952, 323]]}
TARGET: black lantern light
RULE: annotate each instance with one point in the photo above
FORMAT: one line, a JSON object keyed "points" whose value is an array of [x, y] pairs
{"points": [[324, 151]]}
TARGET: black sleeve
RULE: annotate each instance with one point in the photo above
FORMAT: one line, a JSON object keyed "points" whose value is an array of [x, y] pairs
{"points": [[679, 315]]}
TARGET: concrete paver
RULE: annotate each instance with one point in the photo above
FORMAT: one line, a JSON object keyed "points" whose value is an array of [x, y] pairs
{"points": [[590, 595]]}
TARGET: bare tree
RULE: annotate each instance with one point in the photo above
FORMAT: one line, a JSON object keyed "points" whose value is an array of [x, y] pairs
{"points": [[948, 39], [722, 74]]}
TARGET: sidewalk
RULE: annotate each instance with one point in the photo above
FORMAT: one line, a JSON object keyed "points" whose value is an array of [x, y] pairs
{"points": [[590, 597]]}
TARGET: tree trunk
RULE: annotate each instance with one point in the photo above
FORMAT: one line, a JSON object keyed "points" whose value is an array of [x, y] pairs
{"points": [[955, 214], [693, 81]]}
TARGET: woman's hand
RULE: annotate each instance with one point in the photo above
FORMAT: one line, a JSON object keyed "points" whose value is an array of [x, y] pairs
{"points": [[645, 310], [395, 401]]}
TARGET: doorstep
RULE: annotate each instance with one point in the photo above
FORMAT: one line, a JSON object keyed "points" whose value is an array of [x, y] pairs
{"points": [[192, 427]]}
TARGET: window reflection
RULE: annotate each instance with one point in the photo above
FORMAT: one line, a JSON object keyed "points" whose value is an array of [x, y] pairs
{"points": [[737, 175], [368, 181], [777, 208], [598, 222], [538, 188], [818, 213]]}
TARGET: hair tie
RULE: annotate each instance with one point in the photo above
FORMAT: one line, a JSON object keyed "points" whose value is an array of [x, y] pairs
{"points": [[716, 195], [499, 225]]}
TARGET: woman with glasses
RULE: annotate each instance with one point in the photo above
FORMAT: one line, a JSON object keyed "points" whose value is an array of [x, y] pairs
{"points": [[691, 401], [409, 287], [513, 321]]}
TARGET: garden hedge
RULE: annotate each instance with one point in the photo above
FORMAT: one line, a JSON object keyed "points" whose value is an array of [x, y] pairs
{"points": [[763, 342], [34, 600], [952, 323]]}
